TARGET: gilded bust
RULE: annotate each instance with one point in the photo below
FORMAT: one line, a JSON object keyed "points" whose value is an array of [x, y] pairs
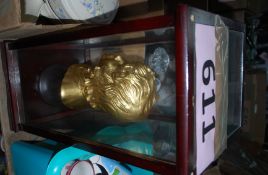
{"points": [[125, 90]]}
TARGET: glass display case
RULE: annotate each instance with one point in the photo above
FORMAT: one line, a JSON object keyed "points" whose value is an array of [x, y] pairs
{"points": [[165, 141]]}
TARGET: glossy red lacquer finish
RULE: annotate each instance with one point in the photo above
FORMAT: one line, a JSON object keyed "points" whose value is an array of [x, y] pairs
{"points": [[183, 91]]}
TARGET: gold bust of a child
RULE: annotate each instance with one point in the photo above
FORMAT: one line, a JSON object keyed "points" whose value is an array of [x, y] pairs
{"points": [[125, 90]]}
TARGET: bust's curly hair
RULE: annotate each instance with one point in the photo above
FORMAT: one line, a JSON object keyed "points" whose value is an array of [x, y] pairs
{"points": [[127, 91]]}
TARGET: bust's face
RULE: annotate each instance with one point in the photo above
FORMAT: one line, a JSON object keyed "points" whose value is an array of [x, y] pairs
{"points": [[126, 90]]}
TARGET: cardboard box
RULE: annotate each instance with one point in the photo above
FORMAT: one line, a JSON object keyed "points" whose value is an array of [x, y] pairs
{"points": [[137, 9], [9, 14], [256, 6], [201, 4], [254, 106], [124, 3], [26, 30], [15, 24]]}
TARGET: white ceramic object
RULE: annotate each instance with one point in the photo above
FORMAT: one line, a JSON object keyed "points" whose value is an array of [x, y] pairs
{"points": [[47, 12], [88, 11], [100, 11], [60, 9]]}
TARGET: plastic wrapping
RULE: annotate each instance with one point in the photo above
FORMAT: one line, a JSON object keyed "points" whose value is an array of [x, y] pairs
{"points": [[211, 90], [222, 45]]}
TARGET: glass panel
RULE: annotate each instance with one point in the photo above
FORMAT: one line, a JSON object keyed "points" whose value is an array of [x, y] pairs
{"points": [[236, 40], [152, 36], [149, 137], [153, 136]]}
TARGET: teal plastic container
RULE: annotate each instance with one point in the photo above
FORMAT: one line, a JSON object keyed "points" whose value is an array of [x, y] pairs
{"points": [[49, 158], [32, 159]]}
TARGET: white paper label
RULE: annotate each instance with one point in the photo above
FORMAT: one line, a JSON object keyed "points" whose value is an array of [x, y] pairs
{"points": [[205, 44]]}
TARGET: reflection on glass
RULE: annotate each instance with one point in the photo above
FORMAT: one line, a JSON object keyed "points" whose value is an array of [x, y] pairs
{"points": [[150, 138], [161, 59]]}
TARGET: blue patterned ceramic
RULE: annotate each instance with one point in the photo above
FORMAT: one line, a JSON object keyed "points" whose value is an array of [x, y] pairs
{"points": [[97, 11]]}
